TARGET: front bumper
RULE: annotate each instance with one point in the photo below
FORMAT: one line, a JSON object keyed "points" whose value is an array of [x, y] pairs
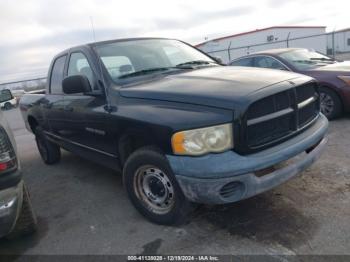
{"points": [[10, 203], [229, 177]]}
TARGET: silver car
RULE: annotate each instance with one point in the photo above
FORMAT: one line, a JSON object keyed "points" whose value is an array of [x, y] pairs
{"points": [[16, 214]]}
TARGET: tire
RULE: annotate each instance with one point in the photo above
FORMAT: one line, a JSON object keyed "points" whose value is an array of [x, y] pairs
{"points": [[7, 106], [26, 223], [49, 151], [331, 105], [153, 189]]}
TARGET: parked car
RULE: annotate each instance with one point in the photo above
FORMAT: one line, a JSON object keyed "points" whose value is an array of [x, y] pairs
{"points": [[7, 100], [333, 76], [182, 128], [16, 213]]}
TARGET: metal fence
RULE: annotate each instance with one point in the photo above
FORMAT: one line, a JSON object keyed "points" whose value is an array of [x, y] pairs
{"points": [[329, 39], [25, 85]]}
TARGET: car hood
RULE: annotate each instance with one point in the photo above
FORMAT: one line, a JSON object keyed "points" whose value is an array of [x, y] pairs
{"points": [[341, 67], [219, 86]]}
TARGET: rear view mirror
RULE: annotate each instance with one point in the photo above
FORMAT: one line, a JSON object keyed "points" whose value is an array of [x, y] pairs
{"points": [[76, 84]]}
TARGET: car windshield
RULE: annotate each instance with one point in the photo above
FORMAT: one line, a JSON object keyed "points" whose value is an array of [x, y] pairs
{"points": [[132, 58], [305, 59]]}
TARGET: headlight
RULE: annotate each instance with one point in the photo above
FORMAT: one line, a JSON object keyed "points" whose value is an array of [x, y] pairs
{"points": [[346, 79], [203, 140]]}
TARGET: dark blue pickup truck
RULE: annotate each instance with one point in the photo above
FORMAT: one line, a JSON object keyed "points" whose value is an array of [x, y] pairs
{"points": [[181, 127]]}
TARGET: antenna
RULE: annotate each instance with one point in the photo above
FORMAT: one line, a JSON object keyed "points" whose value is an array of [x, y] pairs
{"points": [[108, 107]]}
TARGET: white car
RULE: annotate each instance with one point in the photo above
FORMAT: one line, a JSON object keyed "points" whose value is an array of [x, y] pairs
{"points": [[7, 100]]}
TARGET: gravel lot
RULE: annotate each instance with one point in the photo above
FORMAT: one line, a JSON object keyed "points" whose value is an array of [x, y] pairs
{"points": [[83, 209]]}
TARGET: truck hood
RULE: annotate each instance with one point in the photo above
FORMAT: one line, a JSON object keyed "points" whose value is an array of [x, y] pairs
{"points": [[219, 86]]}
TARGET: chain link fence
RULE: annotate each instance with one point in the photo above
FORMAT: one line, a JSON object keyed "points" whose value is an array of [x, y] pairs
{"points": [[335, 44]]}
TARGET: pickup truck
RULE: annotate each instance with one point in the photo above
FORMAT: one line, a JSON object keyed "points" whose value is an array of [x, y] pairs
{"points": [[182, 128]]}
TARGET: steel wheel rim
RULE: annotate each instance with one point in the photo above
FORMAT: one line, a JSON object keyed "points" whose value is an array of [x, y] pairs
{"points": [[327, 104], [154, 189]]}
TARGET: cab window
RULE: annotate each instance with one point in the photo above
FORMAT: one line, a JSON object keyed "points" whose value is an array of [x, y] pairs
{"points": [[79, 65], [57, 75]]}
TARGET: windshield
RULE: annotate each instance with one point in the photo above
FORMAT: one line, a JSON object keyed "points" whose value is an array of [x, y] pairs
{"points": [[132, 58], [305, 59]]}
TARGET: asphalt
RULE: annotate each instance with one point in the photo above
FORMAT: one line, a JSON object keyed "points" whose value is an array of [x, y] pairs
{"points": [[82, 208]]}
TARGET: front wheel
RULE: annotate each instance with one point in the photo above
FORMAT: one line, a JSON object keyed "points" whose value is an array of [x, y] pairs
{"points": [[7, 106], [331, 105], [49, 152], [153, 189]]}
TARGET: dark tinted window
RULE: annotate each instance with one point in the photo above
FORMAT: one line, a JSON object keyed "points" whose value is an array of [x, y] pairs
{"points": [[5, 95], [268, 62], [57, 76], [243, 62], [79, 65], [348, 41]]}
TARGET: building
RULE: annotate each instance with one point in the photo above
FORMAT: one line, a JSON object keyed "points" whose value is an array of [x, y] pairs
{"points": [[341, 40], [233, 46]]}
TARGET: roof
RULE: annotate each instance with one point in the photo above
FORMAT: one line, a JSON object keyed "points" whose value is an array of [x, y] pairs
{"points": [[278, 51], [258, 30], [340, 31]]}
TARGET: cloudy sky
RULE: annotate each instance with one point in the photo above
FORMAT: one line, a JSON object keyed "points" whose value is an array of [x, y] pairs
{"points": [[32, 31]]}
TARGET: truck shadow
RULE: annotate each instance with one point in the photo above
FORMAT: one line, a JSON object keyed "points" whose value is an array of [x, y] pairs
{"points": [[265, 218]]}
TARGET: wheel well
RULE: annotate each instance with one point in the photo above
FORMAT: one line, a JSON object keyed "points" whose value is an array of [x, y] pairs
{"points": [[32, 123], [335, 92], [130, 143]]}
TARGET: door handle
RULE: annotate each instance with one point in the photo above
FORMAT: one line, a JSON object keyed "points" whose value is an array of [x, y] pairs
{"points": [[68, 109]]}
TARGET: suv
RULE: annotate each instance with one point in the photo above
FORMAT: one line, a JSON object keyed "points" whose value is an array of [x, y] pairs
{"points": [[182, 128]]}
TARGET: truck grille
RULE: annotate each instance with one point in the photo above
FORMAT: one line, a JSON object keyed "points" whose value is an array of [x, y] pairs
{"points": [[279, 116]]}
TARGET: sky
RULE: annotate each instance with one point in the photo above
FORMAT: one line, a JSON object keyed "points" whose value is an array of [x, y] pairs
{"points": [[33, 31]]}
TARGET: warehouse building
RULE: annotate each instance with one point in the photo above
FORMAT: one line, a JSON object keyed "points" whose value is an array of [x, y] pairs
{"points": [[233, 46], [341, 41]]}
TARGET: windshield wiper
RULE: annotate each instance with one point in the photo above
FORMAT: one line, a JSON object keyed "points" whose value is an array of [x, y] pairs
{"points": [[196, 62], [305, 61], [324, 60], [321, 59], [147, 71]]}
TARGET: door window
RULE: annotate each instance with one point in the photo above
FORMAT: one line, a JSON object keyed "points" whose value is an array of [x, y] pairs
{"points": [[268, 62], [79, 65], [243, 62], [57, 75]]}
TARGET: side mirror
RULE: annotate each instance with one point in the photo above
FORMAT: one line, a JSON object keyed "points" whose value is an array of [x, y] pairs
{"points": [[76, 84]]}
